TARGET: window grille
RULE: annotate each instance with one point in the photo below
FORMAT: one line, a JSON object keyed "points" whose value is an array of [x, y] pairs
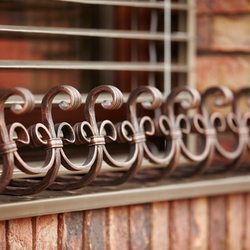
{"points": [[86, 44], [90, 43]]}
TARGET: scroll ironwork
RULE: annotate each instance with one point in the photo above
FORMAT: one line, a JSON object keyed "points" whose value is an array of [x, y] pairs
{"points": [[162, 138]]}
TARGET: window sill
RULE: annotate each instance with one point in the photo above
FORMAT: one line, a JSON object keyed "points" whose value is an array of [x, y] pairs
{"points": [[53, 202]]}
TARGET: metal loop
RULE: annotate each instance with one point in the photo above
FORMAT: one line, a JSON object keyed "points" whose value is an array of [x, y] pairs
{"points": [[243, 131], [97, 140], [138, 138], [176, 134], [210, 132], [8, 147], [54, 143]]}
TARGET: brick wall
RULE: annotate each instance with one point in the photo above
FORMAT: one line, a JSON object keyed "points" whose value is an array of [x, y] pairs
{"points": [[223, 32], [215, 223]]}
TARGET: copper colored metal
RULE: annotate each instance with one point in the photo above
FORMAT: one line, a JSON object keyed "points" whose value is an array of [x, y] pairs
{"points": [[91, 133], [43, 135], [204, 117], [134, 131]]}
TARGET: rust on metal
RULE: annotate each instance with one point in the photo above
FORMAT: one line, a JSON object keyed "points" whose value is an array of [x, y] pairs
{"points": [[201, 115]]}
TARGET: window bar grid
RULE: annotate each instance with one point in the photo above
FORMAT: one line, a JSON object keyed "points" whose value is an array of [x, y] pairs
{"points": [[152, 36]]}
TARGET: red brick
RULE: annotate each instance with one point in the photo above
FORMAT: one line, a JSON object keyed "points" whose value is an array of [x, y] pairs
{"points": [[118, 235], [199, 224], [3, 235], [45, 232], [140, 228], [203, 6], [232, 71], [160, 226], [179, 225], [203, 32], [19, 234], [14, 78], [95, 228], [246, 242], [70, 230], [232, 6], [231, 34], [217, 223], [15, 50], [235, 217]]}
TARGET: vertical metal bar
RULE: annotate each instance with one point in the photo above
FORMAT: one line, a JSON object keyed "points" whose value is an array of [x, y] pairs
{"points": [[152, 45], [167, 48], [190, 60], [182, 48], [134, 48], [191, 46]]}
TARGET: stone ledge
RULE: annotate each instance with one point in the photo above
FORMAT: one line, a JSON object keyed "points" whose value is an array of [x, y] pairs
{"points": [[51, 202]]}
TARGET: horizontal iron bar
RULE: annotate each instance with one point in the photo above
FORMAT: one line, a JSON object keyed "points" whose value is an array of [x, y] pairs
{"points": [[49, 202], [145, 4], [38, 99], [85, 65], [128, 34]]}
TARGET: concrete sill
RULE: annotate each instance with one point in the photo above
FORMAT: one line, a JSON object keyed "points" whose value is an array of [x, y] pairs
{"points": [[51, 202]]}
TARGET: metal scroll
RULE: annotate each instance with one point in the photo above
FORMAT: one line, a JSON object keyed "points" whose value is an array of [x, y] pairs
{"points": [[191, 134]]}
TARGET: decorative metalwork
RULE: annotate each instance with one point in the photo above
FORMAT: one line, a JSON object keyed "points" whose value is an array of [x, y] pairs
{"points": [[162, 138]]}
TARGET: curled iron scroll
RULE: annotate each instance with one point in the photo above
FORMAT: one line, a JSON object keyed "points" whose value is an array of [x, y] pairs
{"points": [[207, 121], [243, 116], [231, 122], [91, 133], [9, 146], [43, 134], [171, 128], [133, 131], [184, 125]]}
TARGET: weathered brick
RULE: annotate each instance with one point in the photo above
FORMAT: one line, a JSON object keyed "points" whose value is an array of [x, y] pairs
{"points": [[14, 79], [179, 225], [45, 232], [203, 32], [198, 224], [140, 228], [222, 7], [19, 234], [3, 235], [94, 229], [231, 34], [160, 226], [217, 223], [234, 221], [246, 229], [232, 6], [118, 233], [15, 50], [203, 6], [232, 71], [70, 230]]}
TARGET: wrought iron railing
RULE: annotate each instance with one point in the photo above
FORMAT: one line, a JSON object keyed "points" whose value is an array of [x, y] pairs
{"points": [[169, 124]]}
